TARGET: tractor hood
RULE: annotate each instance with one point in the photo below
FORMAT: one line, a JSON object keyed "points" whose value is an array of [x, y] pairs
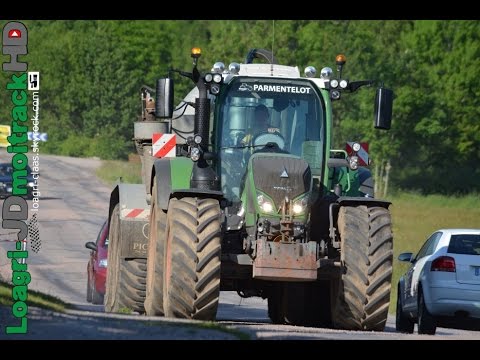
{"points": [[272, 177]]}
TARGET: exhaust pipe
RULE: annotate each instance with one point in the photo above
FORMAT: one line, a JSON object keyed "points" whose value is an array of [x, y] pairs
{"points": [[203, 176]]}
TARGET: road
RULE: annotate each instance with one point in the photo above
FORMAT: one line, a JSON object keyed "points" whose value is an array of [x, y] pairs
{"points": [[73, 206]]}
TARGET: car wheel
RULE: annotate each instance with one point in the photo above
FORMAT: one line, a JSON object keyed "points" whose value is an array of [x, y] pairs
{"points": [[403, 323], [97, 298], [89, 289], [426, 322]]}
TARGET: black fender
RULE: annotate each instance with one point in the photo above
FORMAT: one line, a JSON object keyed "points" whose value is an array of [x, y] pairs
{"points": [[162, 170], [355, 201]]}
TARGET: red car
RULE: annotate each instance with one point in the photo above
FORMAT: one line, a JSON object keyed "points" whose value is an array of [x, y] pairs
{"points": [[97, 266]]}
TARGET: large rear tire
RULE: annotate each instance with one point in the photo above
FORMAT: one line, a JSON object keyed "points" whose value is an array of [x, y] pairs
{"points": [[156, 245], [125, 287], [192, 259], [367, 256]]}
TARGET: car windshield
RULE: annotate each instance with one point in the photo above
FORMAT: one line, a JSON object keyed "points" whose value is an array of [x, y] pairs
{"points": [[255, 111], [467, 244]]}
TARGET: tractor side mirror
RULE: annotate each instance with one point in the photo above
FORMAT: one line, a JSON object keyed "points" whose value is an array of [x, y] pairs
{"points": [[164, 98], [383, 108]]}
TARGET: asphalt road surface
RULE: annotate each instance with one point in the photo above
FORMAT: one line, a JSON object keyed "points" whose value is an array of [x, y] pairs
{"points": [[73, 206]]}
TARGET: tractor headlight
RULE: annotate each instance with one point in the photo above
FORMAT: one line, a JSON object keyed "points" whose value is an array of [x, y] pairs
{"points": [[102, 263], [208, 78], [264, 204], [300, 205], [197, 139], [353, 162], [333, 83], [195, 154], [326, 73], [343, 84], [217, 78]]}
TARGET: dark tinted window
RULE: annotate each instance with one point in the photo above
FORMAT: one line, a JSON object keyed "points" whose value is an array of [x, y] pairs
{"points": [[467, 244]]}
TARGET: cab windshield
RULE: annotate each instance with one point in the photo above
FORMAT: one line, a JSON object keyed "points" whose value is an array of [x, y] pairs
{"points": [[288, 115]]}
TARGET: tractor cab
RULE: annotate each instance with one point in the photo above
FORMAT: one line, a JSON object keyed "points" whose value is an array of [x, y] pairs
{"points": [[294, 113]]}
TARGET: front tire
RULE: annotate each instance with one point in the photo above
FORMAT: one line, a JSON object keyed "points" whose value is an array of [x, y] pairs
{"points": [[367, 255], [156, 244], [192, 259]]}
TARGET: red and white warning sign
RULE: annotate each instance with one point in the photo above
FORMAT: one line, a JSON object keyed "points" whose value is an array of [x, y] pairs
{"points": [[163, 145], [362, 154], [135, 213]]}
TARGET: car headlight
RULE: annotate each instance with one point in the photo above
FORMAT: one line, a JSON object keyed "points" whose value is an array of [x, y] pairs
{"points": [[102, 263], [300, 205], [264, 204]]}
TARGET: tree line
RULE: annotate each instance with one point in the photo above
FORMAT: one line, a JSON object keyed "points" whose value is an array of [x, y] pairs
{"points": [[91, 72]]}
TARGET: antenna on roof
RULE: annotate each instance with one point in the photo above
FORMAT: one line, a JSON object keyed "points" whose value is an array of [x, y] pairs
{"points": [[273, 40]]}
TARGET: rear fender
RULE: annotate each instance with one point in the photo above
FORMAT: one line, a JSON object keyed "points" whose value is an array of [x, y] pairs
{"points": [[134, 219]]}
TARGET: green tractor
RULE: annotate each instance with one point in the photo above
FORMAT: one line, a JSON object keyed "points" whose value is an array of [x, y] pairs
{"points": [[270, 211]]}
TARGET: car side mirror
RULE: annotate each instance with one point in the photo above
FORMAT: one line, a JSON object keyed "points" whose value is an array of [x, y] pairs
{"points": [[91, 245], [407, 257]]}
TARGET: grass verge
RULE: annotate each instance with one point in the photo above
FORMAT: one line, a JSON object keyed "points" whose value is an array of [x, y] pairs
{"points": [[35, 298], [110, 171]]}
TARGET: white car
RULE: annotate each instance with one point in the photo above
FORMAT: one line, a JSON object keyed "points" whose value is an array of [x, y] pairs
{"points": [[442, 287]]}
